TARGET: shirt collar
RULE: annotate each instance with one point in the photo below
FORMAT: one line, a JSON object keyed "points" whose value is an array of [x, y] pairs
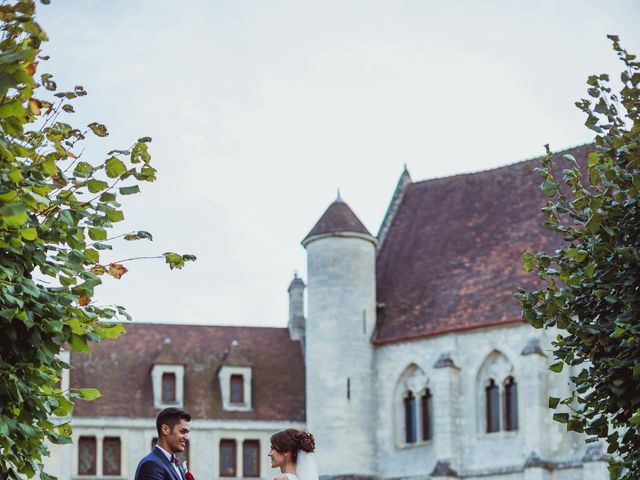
{"points": [[166, 454]]}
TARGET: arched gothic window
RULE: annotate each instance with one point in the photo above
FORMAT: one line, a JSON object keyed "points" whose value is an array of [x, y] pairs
{"points": [[498, 395], [415, 408]]}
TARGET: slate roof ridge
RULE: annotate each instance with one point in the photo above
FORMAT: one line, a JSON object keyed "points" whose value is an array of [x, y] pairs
{"points": [[402, 185], [500, 167]]}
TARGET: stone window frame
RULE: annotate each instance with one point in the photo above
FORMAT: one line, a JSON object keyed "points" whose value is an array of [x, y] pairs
{"points": [[224, 376], [105, 441], [412, 382], [245, 473], [94, 464], [229, 442], [98, 470], [497, 368], [157, 373]]}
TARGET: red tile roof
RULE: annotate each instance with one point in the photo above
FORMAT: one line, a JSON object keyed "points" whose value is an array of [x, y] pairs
{"points": [[451, 259], [337, 218], [121, 370]]}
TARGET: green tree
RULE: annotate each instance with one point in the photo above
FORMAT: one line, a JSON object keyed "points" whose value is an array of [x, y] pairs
{"points": [[592, 284], [56, 212]]}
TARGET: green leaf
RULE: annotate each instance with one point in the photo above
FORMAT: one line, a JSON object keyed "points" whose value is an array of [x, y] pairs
{"points": [[89, 394], [98, 129], [527, 261], [92, 255], [97, 234], [13, 215], [593, 159], [594, 223], [561, 417], [177, 261], [556, 367], [65, 429], [115, 215], [78, 344], [129, 190], [49, 166], [83, 169], [96, 186], [29, 234], [113, 331], [139, 235], [553, 402], [12, 108], [114, 167], [549, 188]]}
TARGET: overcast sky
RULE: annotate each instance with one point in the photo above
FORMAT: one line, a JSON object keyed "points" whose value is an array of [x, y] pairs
{"points": [[260, 110]]}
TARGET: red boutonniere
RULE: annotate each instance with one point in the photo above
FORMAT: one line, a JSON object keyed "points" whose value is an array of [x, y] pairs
{"points": [[190, 476]]}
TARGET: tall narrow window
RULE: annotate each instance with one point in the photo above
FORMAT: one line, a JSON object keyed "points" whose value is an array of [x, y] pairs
{"points": [[510, 404], [111, 456], [251, 458], [425, 410], [227, 458], [87, 456], [168, 387], [410, 418], [236, 384], [492, 400]]}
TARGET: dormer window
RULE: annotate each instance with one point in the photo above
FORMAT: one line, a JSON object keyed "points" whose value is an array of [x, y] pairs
{"points": [[168, 387], [235, 379], [167, 378], [236, 389]]}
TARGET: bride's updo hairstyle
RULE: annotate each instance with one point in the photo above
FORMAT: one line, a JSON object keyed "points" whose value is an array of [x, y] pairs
{"points": [[293, 440]]}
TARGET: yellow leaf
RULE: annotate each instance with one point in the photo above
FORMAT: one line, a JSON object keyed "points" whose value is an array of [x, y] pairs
{"points": [[98, 270], [117, 270], [35, 105]]}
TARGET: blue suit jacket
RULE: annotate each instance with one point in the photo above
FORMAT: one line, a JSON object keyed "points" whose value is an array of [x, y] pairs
{"points": [[156, 466]]}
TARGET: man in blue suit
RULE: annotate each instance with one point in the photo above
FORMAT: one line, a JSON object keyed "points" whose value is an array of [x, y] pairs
{"points": [[173, 435]]}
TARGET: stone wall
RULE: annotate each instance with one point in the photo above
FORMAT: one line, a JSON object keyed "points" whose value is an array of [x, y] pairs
{"points": [[453, 365]]}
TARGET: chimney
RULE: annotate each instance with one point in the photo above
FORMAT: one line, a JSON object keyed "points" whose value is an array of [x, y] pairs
{"points": [[296, 308]]}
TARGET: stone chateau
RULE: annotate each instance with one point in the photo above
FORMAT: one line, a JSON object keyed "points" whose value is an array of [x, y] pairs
{"points": [[411, 361]]}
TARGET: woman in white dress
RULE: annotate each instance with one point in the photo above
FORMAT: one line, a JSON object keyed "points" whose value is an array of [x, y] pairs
{"points": [[291, 452]]}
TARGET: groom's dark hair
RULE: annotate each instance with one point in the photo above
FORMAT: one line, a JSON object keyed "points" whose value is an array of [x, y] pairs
{"points": [[171, 417]]}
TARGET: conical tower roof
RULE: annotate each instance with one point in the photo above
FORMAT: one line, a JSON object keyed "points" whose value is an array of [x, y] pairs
{"points": [[296, 282], [338, 218]]}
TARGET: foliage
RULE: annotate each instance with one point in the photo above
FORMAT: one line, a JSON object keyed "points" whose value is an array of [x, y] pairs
{"points": [[56, 209], [592, 291]]}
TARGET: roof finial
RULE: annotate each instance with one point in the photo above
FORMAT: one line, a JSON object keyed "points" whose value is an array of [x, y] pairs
{"points": [[339, 199], [295, 274]]}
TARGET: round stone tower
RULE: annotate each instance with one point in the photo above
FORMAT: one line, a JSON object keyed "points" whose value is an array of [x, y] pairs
{"points": [[341, 402]]}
